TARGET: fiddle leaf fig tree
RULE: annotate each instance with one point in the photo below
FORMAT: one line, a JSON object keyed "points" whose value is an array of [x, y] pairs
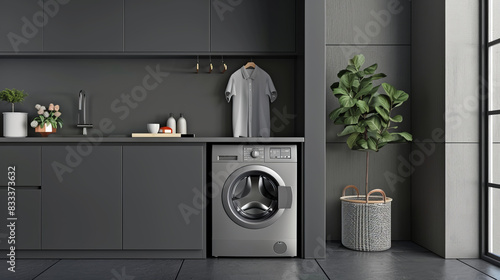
{"points": [[365, 113]]}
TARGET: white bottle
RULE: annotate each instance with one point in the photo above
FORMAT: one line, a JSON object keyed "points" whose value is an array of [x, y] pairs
{"points": [[181, 122], [171, 123]]}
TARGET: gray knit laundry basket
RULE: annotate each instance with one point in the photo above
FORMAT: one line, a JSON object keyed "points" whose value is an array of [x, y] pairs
{"points": [[366, 224]]}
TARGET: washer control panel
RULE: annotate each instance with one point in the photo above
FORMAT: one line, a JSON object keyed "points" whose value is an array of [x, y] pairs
{"points": [[280, 153], [253, 153]]}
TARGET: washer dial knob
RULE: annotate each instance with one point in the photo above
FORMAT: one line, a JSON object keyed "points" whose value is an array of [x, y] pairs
{"points": [[255, 154]]}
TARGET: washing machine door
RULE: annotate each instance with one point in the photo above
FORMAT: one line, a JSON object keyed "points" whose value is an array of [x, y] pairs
{"points": [[255, 196]]}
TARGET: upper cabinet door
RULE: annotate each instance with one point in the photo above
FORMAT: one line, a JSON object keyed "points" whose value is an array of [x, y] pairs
{"points": [[85, 26], [253, 26], [21, 26], [167, 26]]}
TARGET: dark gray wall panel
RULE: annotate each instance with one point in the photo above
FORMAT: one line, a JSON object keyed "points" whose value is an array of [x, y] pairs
{"points": [[86, 25], [253, 26], [82, 207], [394, 61], [428, 68], [107, 81], [158, 25], [16, 16], [387, 172], [314, 148], [26, 160], [29, 219], [428, 201], [368, 22]]}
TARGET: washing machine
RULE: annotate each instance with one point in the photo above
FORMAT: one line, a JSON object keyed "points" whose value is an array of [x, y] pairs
{"points": [[254, 200]]}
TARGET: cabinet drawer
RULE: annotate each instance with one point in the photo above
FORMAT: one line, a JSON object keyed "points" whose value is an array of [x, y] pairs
{"points": [[26, 159]]}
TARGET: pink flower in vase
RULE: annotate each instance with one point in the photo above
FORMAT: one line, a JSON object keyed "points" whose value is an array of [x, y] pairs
{"points": [[51, 107], [56, 108]]}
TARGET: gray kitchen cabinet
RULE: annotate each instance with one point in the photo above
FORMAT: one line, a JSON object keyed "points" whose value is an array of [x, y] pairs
{"points": [[259, 26], [81, 197], [21, 26], [86, 26], [28, 224], [167, 26], [26, 160], [163, 202]]}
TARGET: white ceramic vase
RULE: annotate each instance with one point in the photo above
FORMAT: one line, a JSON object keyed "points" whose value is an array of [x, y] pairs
{"points": [[171, 123], [15, 124], [181, 125]]}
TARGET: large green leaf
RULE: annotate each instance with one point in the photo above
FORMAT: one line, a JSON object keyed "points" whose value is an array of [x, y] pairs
{"points": [[407, 136], [350, 129], [364, 90], [397, 118], [377, 76], [351, 141], [344, 81], [382, 101], [352, 69], [362, 143], [383, 113], [374, 123], [390, 90], [363, 106], [342, 73], [336, 113], [347, 101], [357, 61], [351, 120], [370, 69], [339, 91], [372, 144]]}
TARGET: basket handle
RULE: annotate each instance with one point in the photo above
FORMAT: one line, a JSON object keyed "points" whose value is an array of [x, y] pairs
{"points": [[349, 187], [376, 191]]}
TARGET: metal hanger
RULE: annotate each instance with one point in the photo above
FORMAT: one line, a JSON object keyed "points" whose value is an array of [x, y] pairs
{"points": [[224, 66], [197, 64], [211, 68]]}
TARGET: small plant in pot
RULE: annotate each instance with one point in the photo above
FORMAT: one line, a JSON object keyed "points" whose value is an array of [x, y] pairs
{"points": [[14, 123], [47, 120], [367, 118]]}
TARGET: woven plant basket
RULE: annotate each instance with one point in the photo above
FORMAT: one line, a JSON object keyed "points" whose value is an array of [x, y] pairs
{"points": [[366, 221]]}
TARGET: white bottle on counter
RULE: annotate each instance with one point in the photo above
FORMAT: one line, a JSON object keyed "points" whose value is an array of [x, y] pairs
{"points": [[171, 123], [181, 122]]}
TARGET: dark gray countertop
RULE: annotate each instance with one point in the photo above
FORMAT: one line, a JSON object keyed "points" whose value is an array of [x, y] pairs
{"points": [[58, 139]]}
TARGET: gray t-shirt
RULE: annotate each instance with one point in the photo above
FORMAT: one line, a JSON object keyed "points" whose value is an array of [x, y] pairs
{"points": [[251, 91]]}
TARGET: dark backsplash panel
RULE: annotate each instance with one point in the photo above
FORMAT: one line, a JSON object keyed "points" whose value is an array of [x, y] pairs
{"points": [[200, 97]]}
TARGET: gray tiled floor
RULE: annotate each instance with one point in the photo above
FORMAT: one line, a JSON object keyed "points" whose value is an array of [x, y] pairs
{"points": [[405, 260]]}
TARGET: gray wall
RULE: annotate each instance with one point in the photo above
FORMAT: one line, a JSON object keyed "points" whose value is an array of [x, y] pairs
{"points": [[381, 32], [445, 184], [199, 96]]}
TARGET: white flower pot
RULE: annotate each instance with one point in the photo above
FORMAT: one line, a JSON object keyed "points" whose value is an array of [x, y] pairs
{"points": [[15, 124]]}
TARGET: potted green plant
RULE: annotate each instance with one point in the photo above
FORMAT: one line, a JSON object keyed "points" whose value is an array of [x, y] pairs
{"points": [[14, 123], [47, 120], [367, 118]]}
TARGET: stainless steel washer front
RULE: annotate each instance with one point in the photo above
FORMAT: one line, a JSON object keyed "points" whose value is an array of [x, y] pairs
{"points": [[254, 200]]}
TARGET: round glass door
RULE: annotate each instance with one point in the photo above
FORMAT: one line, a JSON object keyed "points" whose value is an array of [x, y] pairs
{"points": [[250, 196]]}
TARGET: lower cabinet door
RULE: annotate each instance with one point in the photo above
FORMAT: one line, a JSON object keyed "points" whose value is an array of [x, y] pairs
{"points": [[163, 202], [81, 197], [27, 228]]}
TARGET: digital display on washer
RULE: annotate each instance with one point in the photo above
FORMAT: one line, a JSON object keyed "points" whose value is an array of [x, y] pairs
{"points": [[280, 153]]}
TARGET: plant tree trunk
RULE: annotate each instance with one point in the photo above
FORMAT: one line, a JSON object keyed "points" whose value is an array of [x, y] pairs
{"points": [[12, 107], [367, 168]]}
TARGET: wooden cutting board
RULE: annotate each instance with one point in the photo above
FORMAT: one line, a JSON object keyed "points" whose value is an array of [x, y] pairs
{"points": [[156, 135]]}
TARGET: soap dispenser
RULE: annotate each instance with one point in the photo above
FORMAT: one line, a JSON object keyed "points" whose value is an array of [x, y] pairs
{"points": [[171, 123], [182, 125]]}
